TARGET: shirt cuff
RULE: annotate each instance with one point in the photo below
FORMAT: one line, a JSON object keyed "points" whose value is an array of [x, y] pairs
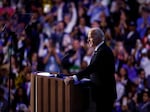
{"points": [[76, 81]]}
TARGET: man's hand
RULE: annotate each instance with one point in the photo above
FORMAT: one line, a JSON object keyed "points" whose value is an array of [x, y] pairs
{"points": [[68, 79]]}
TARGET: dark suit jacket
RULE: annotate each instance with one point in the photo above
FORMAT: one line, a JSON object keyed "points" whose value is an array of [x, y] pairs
{"points": [[102, 69]]}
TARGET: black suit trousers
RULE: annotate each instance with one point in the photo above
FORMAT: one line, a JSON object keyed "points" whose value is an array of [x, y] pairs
{"points": [[103, 101]]}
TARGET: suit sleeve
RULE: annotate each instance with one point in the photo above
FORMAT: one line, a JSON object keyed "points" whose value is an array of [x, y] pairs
{"points": [[92, 67]]}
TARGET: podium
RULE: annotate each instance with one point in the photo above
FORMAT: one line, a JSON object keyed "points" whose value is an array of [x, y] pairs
{"points": [[50, 94]]}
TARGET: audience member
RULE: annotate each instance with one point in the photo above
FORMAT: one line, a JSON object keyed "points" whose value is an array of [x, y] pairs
{"points": [[34, 39]]}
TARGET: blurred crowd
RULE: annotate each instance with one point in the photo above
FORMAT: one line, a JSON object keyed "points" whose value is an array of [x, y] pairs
{"points": [[54, 39]]}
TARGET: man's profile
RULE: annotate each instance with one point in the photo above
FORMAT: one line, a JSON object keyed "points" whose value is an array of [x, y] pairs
{"points": [[101, 71]]}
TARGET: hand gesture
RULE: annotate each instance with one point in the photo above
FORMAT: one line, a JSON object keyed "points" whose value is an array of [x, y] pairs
{"points": [[68, 79]]}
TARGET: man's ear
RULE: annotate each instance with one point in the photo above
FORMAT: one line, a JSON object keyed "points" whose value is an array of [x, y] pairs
{"points": [[96, 41]]}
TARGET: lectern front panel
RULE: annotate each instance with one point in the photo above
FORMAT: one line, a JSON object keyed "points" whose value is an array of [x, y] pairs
{"points": [[50, 94]]}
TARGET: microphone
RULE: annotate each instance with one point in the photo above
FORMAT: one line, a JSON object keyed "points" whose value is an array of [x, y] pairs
{"points": [[65, 59], [69, 53], [65, 63]]}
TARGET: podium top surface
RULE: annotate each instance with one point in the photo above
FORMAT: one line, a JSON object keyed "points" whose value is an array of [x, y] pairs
{"points": [[49, 75], [58, 76]]}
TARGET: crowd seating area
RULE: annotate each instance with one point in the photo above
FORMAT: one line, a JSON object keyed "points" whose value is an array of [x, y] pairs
{"points": [[38, 37]]}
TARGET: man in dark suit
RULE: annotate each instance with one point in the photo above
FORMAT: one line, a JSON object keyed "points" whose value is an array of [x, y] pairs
{"points": [[101, 71]]}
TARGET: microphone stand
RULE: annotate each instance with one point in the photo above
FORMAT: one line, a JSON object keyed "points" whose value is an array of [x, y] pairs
{"points": [[4, 30], [10, 72], [10, 53]]}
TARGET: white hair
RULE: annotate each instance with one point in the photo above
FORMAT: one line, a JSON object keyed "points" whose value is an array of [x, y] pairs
{"points": [[98, 33]]}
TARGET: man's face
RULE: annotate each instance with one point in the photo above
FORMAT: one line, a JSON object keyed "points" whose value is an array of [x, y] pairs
{"points": [[90, 39]]}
